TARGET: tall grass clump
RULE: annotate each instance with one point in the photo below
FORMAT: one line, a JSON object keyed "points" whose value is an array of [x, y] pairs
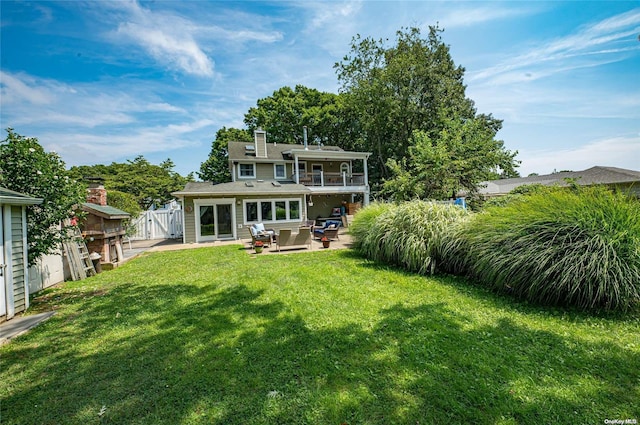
{"points": [[409, 234], [559, 246], [362, 223]]}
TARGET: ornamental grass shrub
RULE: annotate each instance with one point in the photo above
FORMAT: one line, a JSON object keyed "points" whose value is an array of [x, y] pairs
{"points": [[559, 246], [410, 234]]}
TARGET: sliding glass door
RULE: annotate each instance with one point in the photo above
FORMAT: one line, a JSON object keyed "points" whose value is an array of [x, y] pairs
{"points": [[214, 219]]}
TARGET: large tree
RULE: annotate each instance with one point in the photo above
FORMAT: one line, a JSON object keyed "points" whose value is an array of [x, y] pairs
{"points": [[216, 168], [411, 86], [284, 114], [25, 167], [463, 154], [148, 183]]}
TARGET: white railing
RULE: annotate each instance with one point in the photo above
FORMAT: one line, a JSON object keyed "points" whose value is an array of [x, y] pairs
{"points": [[320, 178]]}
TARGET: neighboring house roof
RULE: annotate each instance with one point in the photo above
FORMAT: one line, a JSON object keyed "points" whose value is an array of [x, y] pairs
{"points": [[16, 198], [591, 176], [246, 188], [105, 211]]}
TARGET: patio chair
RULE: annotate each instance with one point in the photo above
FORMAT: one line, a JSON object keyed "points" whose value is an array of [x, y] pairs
{"points": [[330, 230], [256, 236], [286, 238]]}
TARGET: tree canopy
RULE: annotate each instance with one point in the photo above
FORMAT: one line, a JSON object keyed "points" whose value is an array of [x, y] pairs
{"points": [[457, 160], [148, 183], [284, 114], [216, 168], [26, 168], [416, 86]]}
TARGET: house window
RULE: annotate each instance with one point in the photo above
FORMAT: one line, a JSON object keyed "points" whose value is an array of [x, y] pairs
{"points": [[281, 210], [247, 171], [266, 210], [273, 210], [280, 171], [294, 210], [251, 211]]}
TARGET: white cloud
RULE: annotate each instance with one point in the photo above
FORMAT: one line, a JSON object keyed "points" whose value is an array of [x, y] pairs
{"points": [[329, 26], [90, 148], [622, 151], [328, 13], [20, 88], [468, 16], [35, 101], [103, 121], [179, 51], [531, 102], [167, 37], [588, 44]]}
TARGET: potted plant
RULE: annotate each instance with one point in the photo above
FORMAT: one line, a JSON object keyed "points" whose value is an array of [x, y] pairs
{"points": [[258, 247], [325, 242]]}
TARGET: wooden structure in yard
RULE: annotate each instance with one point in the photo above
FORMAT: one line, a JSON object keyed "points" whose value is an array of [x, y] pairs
{"points": [[103, 227], [80, 264]]}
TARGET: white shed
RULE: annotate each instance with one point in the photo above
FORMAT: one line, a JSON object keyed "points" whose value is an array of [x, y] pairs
{"points": [[14, 268]]}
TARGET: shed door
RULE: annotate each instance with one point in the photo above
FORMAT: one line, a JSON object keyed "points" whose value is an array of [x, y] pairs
{"points": [[3, 268]]}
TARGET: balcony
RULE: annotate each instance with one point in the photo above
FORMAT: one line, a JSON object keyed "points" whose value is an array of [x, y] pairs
{"points": [[322, 179]]}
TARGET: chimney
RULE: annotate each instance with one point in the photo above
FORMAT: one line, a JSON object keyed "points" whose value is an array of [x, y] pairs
{"points": [[304, 134], [260, 137], [96, 193]]}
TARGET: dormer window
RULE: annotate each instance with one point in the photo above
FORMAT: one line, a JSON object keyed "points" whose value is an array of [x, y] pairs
{"points": [[280, 171], [247, 171]]}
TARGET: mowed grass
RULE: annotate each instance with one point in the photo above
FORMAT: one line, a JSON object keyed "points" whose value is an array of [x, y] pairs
{"points": [[215, 336]]}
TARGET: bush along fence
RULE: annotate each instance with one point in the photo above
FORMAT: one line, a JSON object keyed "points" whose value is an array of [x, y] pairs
{"points": [[556, 246]]}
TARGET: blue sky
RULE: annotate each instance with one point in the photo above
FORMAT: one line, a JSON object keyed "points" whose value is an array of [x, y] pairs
{"points": [[106, 81]]}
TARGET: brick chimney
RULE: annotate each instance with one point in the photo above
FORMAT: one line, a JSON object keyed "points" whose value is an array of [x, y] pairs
{"points": [[96, 193]]}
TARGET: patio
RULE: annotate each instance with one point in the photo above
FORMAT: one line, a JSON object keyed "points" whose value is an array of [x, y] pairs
{"points": [[138, 247]]}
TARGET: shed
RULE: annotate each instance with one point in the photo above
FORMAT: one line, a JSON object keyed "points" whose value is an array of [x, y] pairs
{"points": [[14, 264]]}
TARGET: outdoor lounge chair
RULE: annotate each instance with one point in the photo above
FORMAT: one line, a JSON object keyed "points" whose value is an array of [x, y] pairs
{"points": [[330, 230], [286, 238], [262, 236]]}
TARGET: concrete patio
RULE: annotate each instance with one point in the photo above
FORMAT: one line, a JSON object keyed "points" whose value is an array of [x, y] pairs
{"points": [[138, 247]]}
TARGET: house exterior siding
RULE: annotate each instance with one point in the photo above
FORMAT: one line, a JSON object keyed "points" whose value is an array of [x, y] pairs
{"points": [[189, 220], [18, 260], [14, 289], [313, 181]]}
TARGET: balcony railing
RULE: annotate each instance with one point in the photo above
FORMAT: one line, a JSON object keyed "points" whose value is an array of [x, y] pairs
{"points": [[320, 178]]}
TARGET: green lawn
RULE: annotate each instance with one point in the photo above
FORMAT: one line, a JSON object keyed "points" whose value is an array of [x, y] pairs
{"points": [[212, 335]]}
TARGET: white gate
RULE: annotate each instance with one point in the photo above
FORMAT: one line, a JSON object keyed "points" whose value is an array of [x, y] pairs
{"points": [[158, 224]]}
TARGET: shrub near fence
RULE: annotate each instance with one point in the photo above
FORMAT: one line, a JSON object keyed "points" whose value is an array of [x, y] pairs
{"points": [[410, 234], [559, 246]]}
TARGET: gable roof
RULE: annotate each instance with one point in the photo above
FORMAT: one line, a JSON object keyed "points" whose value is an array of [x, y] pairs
{"points": [[105, 211], [249, 187], [16, 198], [238, 152], [590, 176]]}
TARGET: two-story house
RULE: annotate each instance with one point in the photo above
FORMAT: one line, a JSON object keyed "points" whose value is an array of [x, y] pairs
{"points": [[280, 185]]}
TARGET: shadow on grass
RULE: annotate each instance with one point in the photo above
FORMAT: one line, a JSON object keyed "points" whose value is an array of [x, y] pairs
{"points": [[171, 354], [500, 299]]}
